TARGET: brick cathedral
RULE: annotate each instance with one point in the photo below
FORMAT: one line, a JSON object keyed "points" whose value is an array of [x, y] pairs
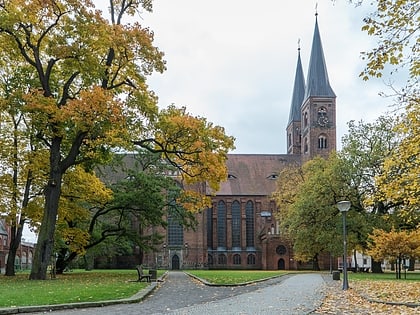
{"points": [[240, 230]]}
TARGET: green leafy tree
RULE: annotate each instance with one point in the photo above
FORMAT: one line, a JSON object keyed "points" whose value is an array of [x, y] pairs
{"points": [[365, 148], [312, 220], [307, 196], [20, 181], [142, 197], [90, 95]]}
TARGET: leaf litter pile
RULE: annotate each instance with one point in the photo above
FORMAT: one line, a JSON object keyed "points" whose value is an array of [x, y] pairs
{"points": [[371, 297]]}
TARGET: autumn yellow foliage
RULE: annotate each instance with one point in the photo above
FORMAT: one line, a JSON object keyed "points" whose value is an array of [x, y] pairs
{"points": [[394, 245], [400, 180]]}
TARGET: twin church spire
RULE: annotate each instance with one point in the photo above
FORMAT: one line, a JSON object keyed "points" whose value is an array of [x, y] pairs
{"points": [[311, 125], [317, 83]]}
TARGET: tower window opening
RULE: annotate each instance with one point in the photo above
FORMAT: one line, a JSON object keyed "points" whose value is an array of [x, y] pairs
{"points": [[322, 142]]}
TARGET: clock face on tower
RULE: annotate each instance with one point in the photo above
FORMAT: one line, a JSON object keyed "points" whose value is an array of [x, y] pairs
{"points": [[322, 117], [323, 120]]}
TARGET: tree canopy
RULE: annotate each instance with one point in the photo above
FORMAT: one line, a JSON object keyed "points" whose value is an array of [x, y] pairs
{"points": [[400, 180], [89, 96], [307, 196], [395, 246]]}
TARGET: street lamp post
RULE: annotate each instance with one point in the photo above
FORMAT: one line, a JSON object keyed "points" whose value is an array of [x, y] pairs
{"points": [[344, 206]]}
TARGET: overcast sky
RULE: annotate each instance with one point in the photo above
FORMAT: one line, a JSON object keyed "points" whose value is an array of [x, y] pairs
{"points": [[234, 61]]}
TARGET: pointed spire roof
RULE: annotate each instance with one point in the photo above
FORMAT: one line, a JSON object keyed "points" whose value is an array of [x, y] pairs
{"points": [[317, 83], [298, 92]]}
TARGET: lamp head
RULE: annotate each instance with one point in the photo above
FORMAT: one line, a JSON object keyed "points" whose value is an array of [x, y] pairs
{"points": [[344, 205]]}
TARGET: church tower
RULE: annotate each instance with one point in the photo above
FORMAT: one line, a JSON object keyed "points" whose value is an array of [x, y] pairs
{"points": [[311, 129], [294, 140], [318, 110]]}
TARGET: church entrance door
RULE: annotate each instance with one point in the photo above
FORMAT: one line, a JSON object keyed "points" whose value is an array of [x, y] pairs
{"points": [[175, 262], [281, 264]]}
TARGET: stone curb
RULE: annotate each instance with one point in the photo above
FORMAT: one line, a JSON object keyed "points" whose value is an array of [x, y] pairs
{"points": [[139, 296]]}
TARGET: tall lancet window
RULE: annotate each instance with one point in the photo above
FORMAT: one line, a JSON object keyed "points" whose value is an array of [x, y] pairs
{"points": [[221, 225], [175, 231], [249, 213], [236, 224], [210, 228]]}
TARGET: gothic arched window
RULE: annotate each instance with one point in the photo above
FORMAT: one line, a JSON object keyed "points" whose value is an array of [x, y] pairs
{"points": [[221, 224], [210, 228], [250, 259], [236, 259], [221, 259], [236, 224], [249, 213], [175, 231]]}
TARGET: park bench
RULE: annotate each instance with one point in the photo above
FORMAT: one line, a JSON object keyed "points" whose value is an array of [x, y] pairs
{"points": [[142, 275]]}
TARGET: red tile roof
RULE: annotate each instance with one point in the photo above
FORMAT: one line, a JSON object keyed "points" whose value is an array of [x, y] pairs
{"points": [[254, 174]]}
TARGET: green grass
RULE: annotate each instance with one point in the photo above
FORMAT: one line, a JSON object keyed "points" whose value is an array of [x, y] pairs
{"points": [[388, 275], [76, 286], [99, 285], [234, 276]]}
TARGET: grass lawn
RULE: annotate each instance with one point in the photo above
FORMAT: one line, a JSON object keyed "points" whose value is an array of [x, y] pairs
{"points": [[388, 275], [234, 276], [71, 287], [99, 285]]}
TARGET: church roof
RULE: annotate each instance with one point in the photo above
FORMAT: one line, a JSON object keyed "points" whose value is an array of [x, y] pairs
{"points": [[317, 83], [298, 92], [254, 174]]}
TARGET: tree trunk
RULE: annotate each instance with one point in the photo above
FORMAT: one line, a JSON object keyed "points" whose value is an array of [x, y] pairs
{"points": [[16, 237], [398, 269], [356, 267], [411, 266], [376, 267], [315, 265], [44, 249], [63, 262]]}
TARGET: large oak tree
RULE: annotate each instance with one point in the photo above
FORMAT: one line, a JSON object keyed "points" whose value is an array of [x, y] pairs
{"points": [[90, 95]]}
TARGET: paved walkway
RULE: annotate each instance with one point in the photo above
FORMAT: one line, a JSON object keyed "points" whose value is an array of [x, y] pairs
{"points": [[181, 294]]}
